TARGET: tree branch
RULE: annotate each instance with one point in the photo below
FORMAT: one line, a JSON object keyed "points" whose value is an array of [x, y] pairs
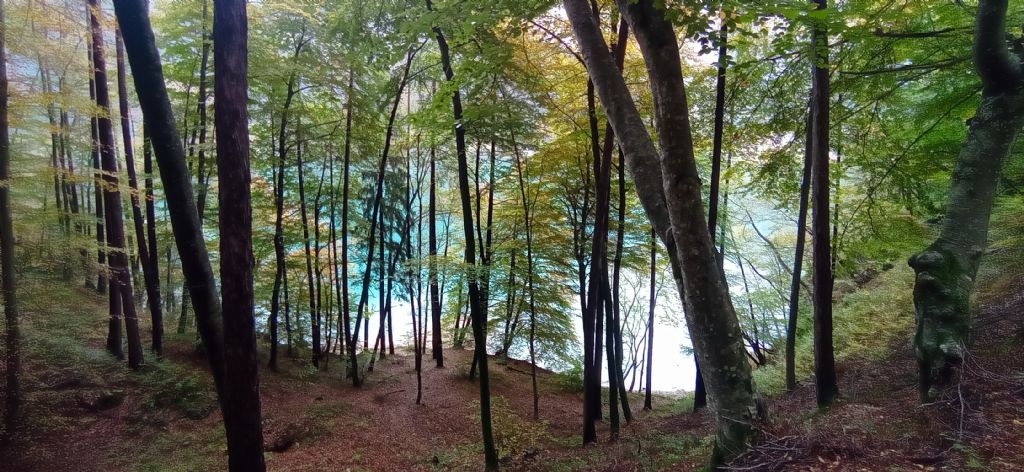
{"points": [[997, 68]]}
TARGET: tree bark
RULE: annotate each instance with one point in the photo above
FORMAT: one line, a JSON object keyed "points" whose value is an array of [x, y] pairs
{"points": [[477, 312], [827, 387], [94, 152], [150, 271], [186, 301], [680, 219], [798, 260], [435, 296], [378, 194], [314, 314], [147, 72], [12, 338], [120, 274], [947, 268], [242, 419], [527, 203], [650, 321], [342, 278]]}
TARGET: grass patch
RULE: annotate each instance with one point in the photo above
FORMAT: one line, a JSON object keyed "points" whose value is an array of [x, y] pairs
{"points": [[180, 389], [659, 450], [465, 456], [178, 451], [866, 324]]}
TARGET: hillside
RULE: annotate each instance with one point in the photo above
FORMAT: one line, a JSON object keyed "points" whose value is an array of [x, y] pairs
{"points": [[86, 412]]}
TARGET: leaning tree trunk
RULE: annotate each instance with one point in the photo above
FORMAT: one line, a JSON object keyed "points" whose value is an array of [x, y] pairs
{"points": [[150, 271], [528, 223], [673, 204], [147, 159], [242, 421], [378, 194], [144, 58], [120, 275], [946, 269], [798, 260]]}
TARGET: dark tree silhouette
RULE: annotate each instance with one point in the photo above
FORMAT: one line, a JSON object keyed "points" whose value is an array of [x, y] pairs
{"points": [[122, 299], [150, 271], [241, 405], [12, 391], [824, 356], [476, 310]]}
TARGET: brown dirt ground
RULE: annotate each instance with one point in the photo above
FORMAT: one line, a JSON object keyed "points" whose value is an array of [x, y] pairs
{"points": [[878, 425]]}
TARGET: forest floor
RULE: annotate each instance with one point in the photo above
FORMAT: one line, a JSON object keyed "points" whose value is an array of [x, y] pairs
{"points": [[88, 412]]}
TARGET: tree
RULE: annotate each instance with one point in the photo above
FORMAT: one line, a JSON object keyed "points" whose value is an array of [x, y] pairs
{"points": [[151, 272], [674, 206], [374, 215], [476, 309], [201, 175], [650, 321], [947, 268], [435, 294], [122, 298], [144, 58], [798, 260], [824, 355], [241, 405], [12, 391]]}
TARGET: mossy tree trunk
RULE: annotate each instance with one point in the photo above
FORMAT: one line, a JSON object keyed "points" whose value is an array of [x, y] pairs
{"points": [[669, 190], [946, 269]]}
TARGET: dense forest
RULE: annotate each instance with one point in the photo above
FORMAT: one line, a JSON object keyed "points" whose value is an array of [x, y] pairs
{"points": [[521, 235]]}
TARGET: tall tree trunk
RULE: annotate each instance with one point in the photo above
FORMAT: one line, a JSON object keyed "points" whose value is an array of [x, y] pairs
{"points": [[824, 356], [56, 153], [616, 325], [279, 255], [378, 194], [314, 314], [477, 312], [186, 299], [946, 269], [150, 271], [596, 295], [342, 286], [147, 168], [435, 296], [242, 420], [12, 391], [528, 223], [275, 297], [140, 46], [798, 260], [94, 152], [700, 393], [120, 274], [673, 204], [650, 321]]}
